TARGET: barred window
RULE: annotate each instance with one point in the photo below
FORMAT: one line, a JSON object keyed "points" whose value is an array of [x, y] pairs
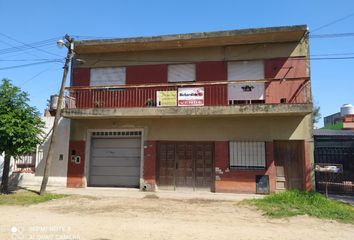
{"points": [[247, 155]]}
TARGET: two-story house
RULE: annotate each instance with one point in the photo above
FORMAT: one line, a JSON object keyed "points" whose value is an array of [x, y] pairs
{"points": [[226, 111]]}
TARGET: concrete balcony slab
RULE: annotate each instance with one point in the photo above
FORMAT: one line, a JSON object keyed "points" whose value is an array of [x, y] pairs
{"points": [[158, 112]]}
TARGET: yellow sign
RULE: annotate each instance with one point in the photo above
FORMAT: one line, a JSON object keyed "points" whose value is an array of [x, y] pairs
{"points": [[166, 98]]}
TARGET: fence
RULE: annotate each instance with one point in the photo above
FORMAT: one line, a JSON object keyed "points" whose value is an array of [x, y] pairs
{"points": [[25, 163], [219, 93], [337, 153]]}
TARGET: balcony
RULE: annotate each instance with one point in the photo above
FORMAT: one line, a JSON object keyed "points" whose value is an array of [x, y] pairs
{"points": [[285, 96]]}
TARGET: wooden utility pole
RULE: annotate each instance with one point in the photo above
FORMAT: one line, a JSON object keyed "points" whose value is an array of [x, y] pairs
{"points": [[48, 163]]}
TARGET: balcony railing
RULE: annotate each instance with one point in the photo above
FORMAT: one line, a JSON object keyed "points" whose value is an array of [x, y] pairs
{"points": [[218, 93]]}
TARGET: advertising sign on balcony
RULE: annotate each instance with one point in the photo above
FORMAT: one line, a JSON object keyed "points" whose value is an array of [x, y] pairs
{"points": [[245, 91], [166, 98], [191, 96]]}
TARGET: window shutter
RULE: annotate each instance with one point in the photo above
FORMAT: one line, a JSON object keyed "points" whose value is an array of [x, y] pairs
{"points": [[245, 70], [107, 76], [181, 73]]}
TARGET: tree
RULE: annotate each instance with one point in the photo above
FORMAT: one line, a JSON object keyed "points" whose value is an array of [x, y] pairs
{"points": [[316, 115], [20, 126]]}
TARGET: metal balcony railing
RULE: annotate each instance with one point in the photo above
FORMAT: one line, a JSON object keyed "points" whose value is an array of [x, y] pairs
{"points": [[217, 93]]}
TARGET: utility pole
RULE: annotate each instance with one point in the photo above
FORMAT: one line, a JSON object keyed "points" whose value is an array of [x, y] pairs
{"points": [[69, 44]]}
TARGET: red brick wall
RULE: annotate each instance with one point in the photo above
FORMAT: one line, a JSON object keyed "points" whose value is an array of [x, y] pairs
{"points": [[229, 180], [75, 177], [150, 160], [211, 71], [146, 74], [81, 77]]}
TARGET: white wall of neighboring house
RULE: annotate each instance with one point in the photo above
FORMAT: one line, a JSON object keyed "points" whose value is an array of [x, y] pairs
{"points": [[59, 163], [2, 159], [60, 157]]}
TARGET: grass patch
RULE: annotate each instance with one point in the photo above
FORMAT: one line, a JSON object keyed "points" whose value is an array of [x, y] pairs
{"points": [[24, 197], [337, 126], [292, 203]]}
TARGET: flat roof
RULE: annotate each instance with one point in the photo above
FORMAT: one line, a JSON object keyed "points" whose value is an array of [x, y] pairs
{"points": [[190, 40], [328, 132]]}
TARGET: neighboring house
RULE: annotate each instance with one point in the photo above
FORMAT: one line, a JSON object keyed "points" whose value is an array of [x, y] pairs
{"points": [[225, 111], [332, 119], [341, 120], [27, 170], [335, 148]]}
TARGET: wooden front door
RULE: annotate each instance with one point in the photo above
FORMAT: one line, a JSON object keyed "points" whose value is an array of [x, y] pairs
{"points": [[185, 165], [289, 164]]}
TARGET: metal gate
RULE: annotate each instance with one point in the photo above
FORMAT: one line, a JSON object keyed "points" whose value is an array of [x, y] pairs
{"points": [[339, 152]]}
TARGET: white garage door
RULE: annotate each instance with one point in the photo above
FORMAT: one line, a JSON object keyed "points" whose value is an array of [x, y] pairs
{"points": [[115, 162]]}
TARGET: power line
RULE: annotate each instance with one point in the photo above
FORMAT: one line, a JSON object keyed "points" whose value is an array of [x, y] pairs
{"points": [[326, 56], [332, 58], [28, 46], [133, 60], [333, 54], [332, 35], [41, 50], [35, 76], [333, 22], [28, 65], [31, 60], [188, 61], [161, 61], [21, 48], [33, 55], [23, 52]]}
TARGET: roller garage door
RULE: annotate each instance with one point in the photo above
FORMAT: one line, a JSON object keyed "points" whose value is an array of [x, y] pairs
{"points": [[115, 162]]}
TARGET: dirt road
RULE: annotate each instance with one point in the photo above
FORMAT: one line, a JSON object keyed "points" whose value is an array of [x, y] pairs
{"points": [[80, 217]]}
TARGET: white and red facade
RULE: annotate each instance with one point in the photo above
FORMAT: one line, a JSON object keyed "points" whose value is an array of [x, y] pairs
{"points": [[190, 114]]}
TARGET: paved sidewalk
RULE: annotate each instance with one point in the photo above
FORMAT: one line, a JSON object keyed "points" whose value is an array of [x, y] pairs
{"points": [[136, 193]]}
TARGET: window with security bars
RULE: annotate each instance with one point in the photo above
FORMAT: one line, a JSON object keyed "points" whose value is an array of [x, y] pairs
{"points": [[247, 155]]}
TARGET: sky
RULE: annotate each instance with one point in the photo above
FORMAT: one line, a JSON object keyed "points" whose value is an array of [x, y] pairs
{"points": [[42, 20]]}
